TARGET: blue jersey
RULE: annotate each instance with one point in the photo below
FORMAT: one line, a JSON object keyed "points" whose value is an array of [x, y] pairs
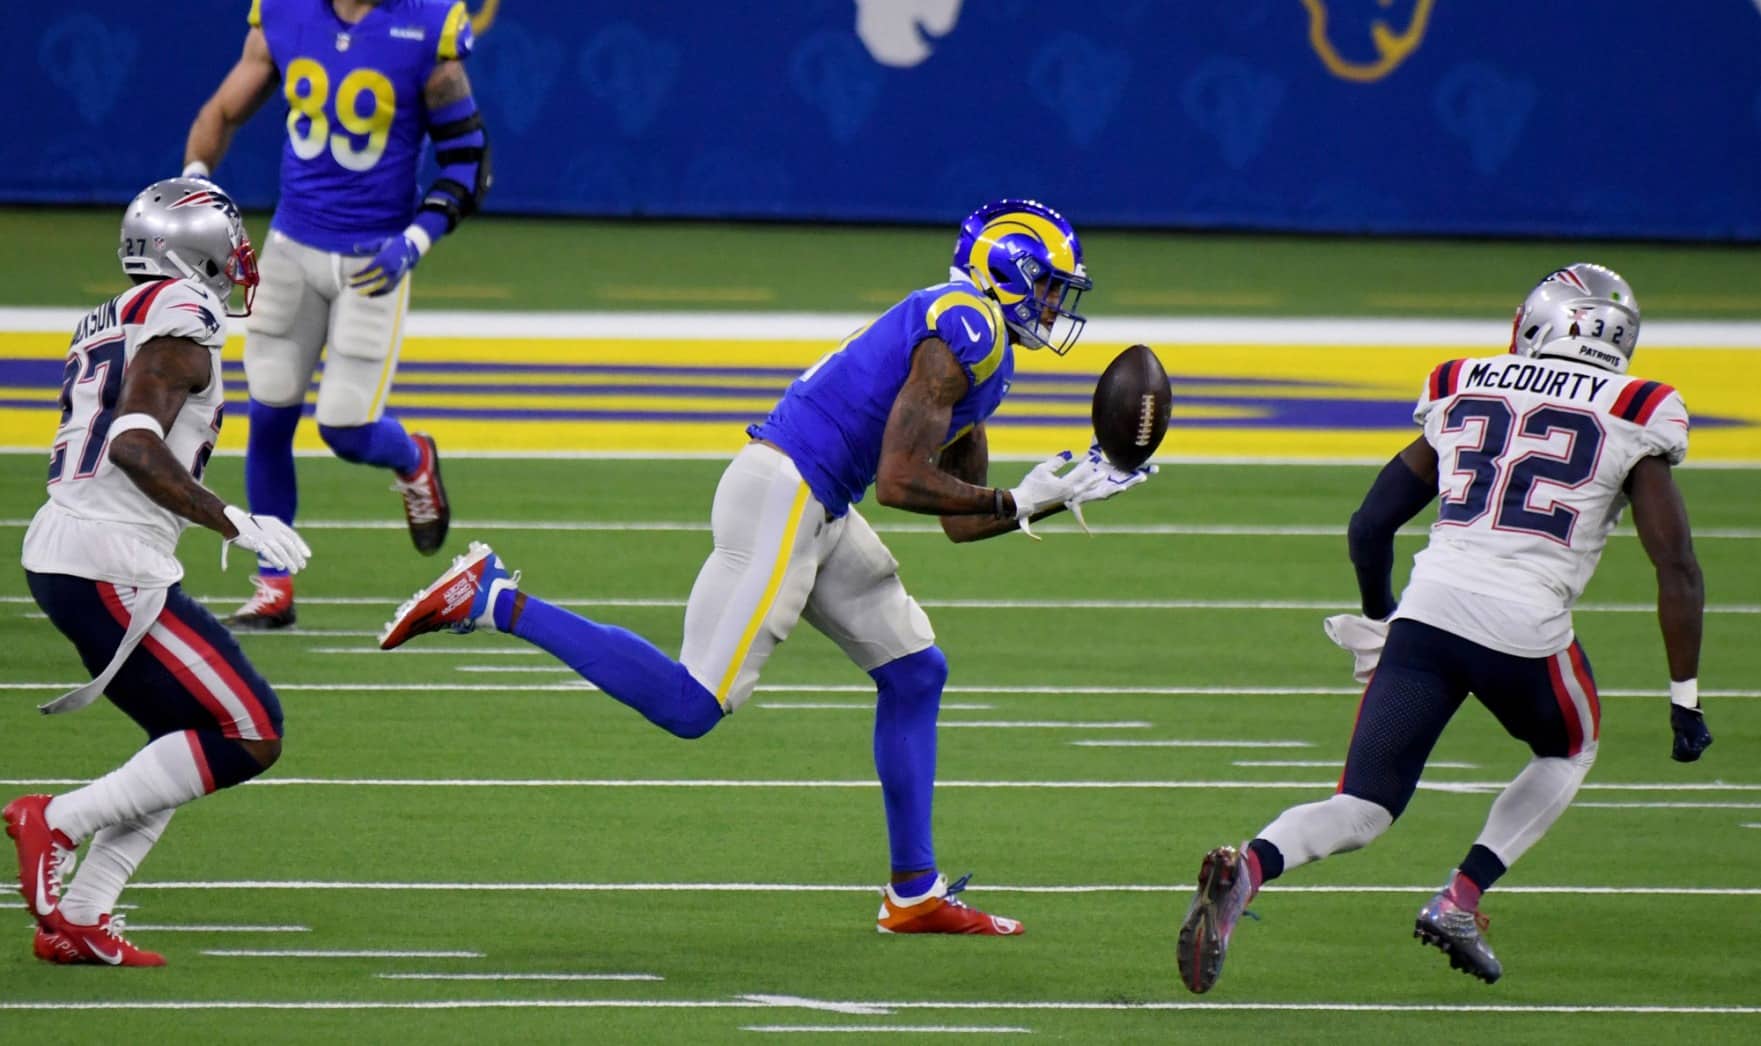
{"points": [[831, 418], [356, 117]]}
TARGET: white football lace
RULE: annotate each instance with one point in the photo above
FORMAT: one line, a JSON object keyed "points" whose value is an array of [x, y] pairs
{"points": [[264, 596], [115, 926], [418, 499], [61, 867]]}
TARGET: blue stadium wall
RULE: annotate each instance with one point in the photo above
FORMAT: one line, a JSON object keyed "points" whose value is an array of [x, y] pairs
{"points": [[1613, 118]]}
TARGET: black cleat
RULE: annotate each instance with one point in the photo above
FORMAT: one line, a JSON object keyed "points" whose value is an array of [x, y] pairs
{"points": [[1222, 895], [425, 505], [1456, 932]]}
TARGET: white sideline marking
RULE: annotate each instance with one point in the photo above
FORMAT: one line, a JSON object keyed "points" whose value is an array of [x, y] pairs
{"points": [[862, 706], [1468, 787], [1043, 724], [1197, 744], [518, 976], [212, 928], [872, 1029], [1319, 332], [1298, 530], [888, 1006], [800, 1002], [674, 603], [331, 953], [1668, 806], [1425, 889], [581, 685], [1752, 825], [1334, 764]]}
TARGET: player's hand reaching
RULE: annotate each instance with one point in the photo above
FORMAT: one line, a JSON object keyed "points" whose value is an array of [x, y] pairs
{"points": [[1098, 480], [393, 259], [1048, 485], [272, 540], [1691, 735]]}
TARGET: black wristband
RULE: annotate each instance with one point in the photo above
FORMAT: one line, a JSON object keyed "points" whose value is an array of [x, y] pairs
{"points": [[997, 492]]}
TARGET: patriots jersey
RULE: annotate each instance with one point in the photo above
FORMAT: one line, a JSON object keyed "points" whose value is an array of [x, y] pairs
{"points": [[831, 419], [356, 119], [1532, 458], [97, 524]]}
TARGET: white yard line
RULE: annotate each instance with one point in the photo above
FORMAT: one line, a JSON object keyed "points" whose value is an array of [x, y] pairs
{"points": [[1116, 529], [885, 1005], [861, 706], [1041, 724], [517, 976], [726, 783], [212, 928], [1334, 764], [579, 685], [897, 1029], [1666, 806], [330, 953], [1195, 744], [1425, 889]]}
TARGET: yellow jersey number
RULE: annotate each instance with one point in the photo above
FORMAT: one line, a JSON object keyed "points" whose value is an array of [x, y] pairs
{"points": [[308, 92]]}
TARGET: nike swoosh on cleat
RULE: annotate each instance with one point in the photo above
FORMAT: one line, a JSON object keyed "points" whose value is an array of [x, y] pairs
{"points": [[113, 960], [41, 892]]}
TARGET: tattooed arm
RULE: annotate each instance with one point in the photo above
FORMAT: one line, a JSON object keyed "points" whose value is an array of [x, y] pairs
{"points": [[159, 379], [968, 458], [909, 476]]}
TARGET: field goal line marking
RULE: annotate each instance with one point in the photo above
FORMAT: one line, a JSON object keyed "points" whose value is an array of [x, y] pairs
{"points": [[750, 887], [892, 1005]]}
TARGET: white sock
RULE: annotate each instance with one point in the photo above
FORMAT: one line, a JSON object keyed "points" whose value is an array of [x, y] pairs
{"points": [[110, 862], [1333, 825], [1528, 807], [163, 775]]}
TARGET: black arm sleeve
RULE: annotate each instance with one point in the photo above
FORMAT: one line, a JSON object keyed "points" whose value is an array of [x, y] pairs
{"points": [[1397, 496]]}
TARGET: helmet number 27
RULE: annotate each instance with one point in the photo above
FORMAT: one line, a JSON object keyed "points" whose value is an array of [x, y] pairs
{"points": [[308, 101]]}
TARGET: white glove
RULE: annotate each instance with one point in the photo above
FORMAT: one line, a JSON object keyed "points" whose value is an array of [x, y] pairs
{"points": [[1362, 637], [269, 538], [1098, 480], [1043, 488]]}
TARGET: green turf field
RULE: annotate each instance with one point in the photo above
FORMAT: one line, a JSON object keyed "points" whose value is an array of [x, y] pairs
{"points": [[468, 797], [547, 263]]}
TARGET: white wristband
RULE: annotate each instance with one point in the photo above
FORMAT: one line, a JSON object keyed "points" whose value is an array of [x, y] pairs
{"points": [[1685, 693], [137, 420], [195, 169], [418, 238]]}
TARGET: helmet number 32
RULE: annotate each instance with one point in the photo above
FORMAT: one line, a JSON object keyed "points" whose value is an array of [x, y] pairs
{"points": [[309, 114]]}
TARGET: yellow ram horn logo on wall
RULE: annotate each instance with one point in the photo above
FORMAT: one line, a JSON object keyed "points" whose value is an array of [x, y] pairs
{"points": [[1392, 46]]}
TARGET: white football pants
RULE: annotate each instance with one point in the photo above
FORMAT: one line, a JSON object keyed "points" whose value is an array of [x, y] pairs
{"points": [[304, 303], [778, 559]]}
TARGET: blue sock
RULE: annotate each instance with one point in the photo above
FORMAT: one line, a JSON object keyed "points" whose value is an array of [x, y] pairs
{"points": [[271, 488], [909, 698], [624, 665], [916, 886], [383, 443]]}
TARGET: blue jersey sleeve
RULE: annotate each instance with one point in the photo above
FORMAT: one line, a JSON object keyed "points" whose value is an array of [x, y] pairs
{"points": [[972, 327], [454, 38]]}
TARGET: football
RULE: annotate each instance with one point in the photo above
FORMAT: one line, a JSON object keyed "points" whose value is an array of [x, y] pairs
{"points": [[1131, 405]]}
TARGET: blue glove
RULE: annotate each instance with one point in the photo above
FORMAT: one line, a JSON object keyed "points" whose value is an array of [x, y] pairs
{"points": [[1691, 735], [395, 257]]}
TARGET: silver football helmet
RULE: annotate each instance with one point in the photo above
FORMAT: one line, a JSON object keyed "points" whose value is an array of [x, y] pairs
{"points": [[189, 228], [1582, 312]]}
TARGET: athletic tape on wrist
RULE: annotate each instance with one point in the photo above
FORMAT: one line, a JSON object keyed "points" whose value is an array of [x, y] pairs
{"points": [[137, 420]]}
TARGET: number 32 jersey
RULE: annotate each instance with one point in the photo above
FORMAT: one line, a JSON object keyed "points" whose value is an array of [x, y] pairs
{"points": [[356, 118], [97, 524], [1532, 458]]}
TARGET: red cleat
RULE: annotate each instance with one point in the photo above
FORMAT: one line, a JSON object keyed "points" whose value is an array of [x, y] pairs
{"points": [[100, 945], [270, 606], [426, 509], [45, 855], [940, 911], [462, 599]]}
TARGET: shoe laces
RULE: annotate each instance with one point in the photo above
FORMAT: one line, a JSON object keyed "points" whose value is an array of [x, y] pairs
{"points": [[265, 596], [954, 888], [419, 500], [114, 927], [61, 862]]}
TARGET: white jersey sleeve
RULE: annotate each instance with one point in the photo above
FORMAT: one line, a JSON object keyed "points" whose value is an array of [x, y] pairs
{"points": [[1665, 430]]}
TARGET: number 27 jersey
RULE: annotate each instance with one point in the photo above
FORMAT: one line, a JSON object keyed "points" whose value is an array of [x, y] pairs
{"points": [[97, 524], [1532, 459]]}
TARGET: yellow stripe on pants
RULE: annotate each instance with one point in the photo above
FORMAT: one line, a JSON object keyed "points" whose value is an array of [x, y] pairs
{"points": [[777, 572]]}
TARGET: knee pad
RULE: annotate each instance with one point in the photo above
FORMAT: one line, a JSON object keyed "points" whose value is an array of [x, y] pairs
{"points": [[918, 675]]}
